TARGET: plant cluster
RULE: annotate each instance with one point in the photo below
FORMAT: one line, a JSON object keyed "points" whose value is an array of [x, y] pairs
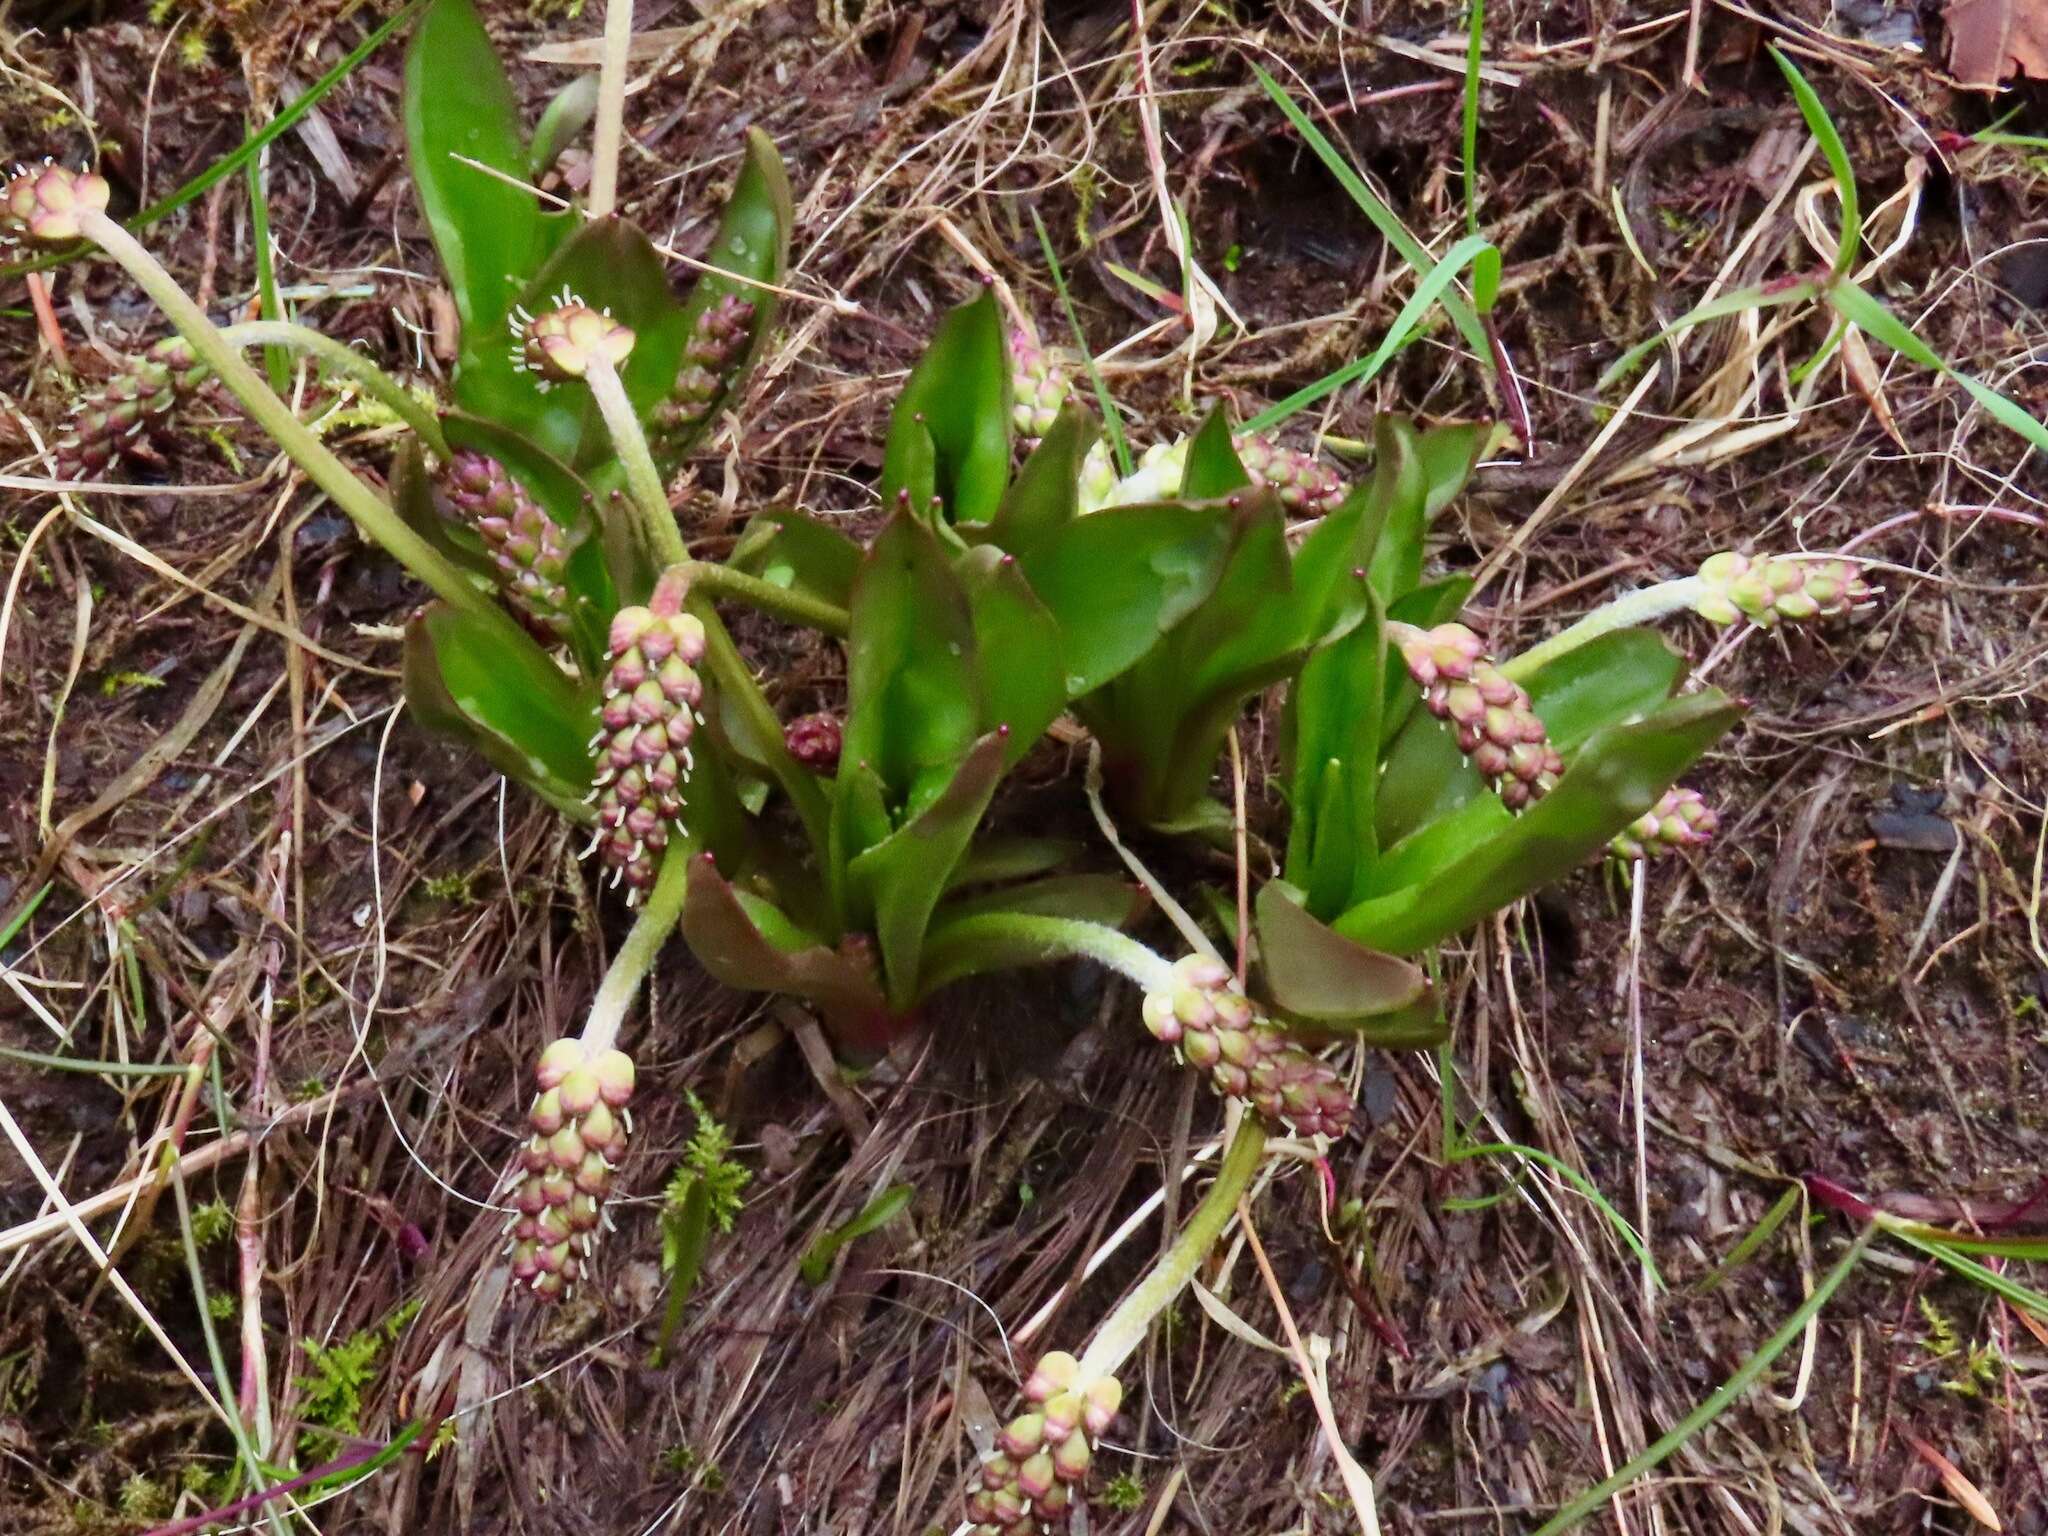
{"points": [[1020, 573]]}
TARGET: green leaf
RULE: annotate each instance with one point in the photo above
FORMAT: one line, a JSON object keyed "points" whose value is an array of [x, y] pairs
{"points": [[799, 552], [1118, 579], [488, 229], [752, 244], [913, 698], [994, 859], [731, 939], [1107, 900], [1849, 235], [1618, 775], [1044, 498], [1449, 454], [1213, 468], [562, 120], [510, 702], [900, 879], [1017, 650], [1332, 728], [959, 397], [883, 1209], [1349, 540], [1313, 972], [596, 553], [1399, 481], [1860, 309]]}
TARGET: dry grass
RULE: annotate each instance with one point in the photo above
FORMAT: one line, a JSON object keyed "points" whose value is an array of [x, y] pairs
{"points": [[261, 874]]}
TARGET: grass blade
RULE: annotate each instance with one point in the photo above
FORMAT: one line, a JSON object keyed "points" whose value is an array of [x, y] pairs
{"points": [[1849, 237], [1758, 296], [1715, 1405], [1112, 423], [1383, 218], [1478, 31]]}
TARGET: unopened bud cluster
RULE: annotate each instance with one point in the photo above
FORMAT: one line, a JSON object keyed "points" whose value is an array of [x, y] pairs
{"points": [[566, 341], [1215, 1027], [651, 693], [44, 201], [112, 420], [1680, 819], [717, 342], [1038, 388], [1496, 726], [1028, 1485], [1304, 485], [579, 1124], [530, 549], [1767, 588]]}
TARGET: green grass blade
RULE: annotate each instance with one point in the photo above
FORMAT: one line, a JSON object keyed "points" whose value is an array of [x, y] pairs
{"points": [[1752, 1240], [1714, 1406], [275, 363], [1850, 235], [1471, 251], [1383, 218], [101, 1068], [1945, 1253], [1478, 31], [1860, 309], [1112, 423], [1578, 1181], [1755, 297], [28, 910], [240, 156]]}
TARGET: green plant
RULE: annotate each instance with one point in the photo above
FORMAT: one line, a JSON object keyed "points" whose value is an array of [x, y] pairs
{"points": [[703, 1197]]}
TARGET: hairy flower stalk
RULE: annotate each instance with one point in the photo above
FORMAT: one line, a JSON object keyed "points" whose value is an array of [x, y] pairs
{"points": [[1216, 1028], [1496, 726], [110, 422], [579, 1124], [1038, 388], [717, 342], [1681, 819], [1044, 1453], [651, 694], [1767, 588], [530, 549]]}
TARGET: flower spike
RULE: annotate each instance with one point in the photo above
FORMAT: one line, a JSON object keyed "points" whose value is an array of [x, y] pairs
{"points": [[44, 201], [579, 1124], [564, 342], [530, 549], [1681, 819], [1767, 588], [1496, 726]]}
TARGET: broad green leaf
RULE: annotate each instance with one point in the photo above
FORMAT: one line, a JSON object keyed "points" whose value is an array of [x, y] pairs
{"points": [[510, 702], [900, 879], [860, 820], [1332, 729], [1349, 540], [1017, 648], [994, 859], [1213, 469], [1437, 845], [1617, 776], [1044, 498], [959, 396], [1118, 579], [1313, 972], [1619, 676], [794, 550], [1449, 454], [751, 248], [1401, 482], [1109, 901], [913, 694], [458, 107], [562, 122], [734, 945]]}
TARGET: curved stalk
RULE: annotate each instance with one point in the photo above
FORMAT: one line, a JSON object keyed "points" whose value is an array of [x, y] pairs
{"points": [[1644, 607], [768, 598], [343, 358], [1000, 940], [1125, 1328], [643, 481], [377, 521], [658, 917]]}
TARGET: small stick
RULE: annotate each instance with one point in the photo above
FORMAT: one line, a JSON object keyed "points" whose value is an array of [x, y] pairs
{"points": [[46, 320]]}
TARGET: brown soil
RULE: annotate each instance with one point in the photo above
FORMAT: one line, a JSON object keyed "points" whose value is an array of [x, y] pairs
{"points": [[1851, 985]]}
